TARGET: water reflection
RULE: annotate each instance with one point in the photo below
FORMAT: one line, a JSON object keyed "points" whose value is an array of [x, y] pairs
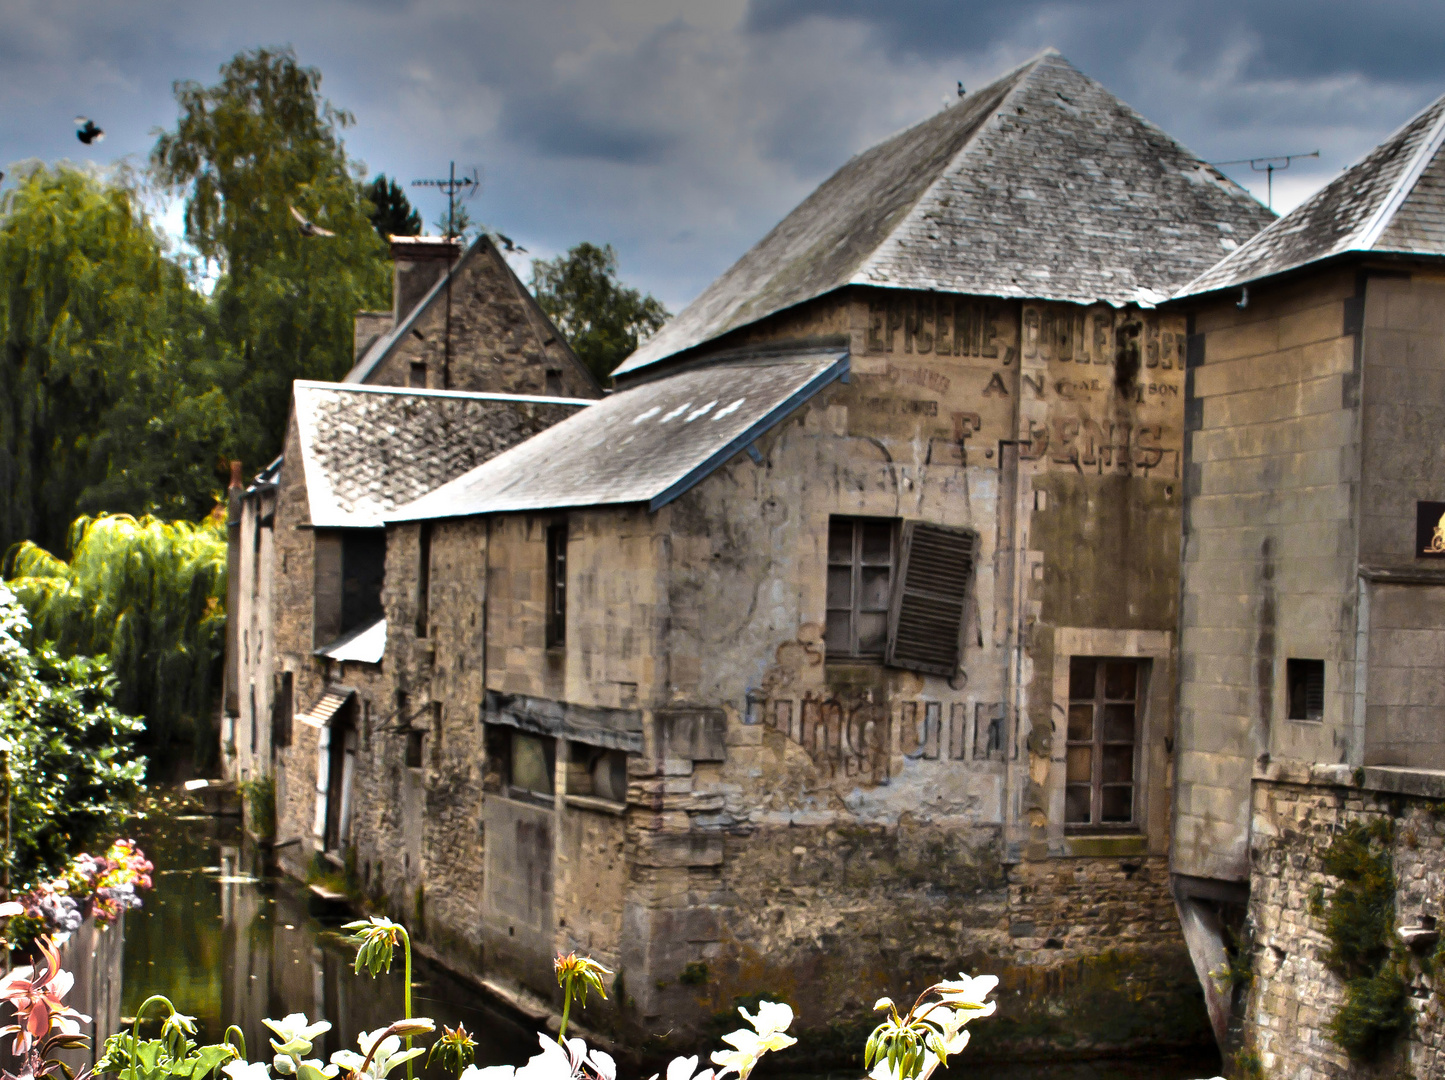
{"points": [[229, 945]]}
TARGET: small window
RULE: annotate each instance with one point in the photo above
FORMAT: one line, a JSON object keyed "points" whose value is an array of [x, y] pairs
{"points": [[598, 772], [1102, 734], [1306, 679], [415, 744], [423, 578], [556, 586], [417, 379], [862, 554], [282, 708], [554, 382], [531, 765]]}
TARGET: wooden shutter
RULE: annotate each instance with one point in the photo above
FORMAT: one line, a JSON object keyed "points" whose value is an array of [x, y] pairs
{"points": [[930, 595]]}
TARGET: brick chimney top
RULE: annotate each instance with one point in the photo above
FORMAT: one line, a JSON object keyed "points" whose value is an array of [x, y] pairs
{"points": [[424, 247], [236, 475]]}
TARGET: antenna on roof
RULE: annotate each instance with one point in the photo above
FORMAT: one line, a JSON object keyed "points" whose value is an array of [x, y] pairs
{"points": [[1267, 166], [453, 186]]}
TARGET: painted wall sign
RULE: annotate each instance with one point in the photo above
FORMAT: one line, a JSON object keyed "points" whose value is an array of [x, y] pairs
{"points": [[1430, 530]]}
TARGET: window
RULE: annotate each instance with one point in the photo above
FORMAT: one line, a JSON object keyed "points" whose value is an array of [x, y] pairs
{"points": [[531, 764], [423, 578], [415, 743], [417, 378], [597, 771], [554, 382], [282, 708], [861, 558], [1306, 684], [1103, 731], [898, 596], [350, 565], [556, 586]]}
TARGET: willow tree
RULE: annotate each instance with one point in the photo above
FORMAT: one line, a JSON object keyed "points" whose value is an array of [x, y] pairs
{"points": [[243, 153], [149, 595], [110, 382]]}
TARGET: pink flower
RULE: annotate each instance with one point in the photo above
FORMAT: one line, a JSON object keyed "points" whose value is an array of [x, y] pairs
{"points": [[35, 993]]}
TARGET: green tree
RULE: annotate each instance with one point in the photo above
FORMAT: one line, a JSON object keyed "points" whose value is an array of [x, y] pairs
{"points": [[73, 769], [244, 153], [392, 213], [110, 380], [602, 319], [150, 596]]}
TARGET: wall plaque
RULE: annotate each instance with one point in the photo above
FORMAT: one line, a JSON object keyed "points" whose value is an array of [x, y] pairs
{"points": [[1430, 530]]}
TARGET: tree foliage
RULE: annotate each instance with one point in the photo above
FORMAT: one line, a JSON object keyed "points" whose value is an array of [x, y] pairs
{"points": [[148, 594], [602, 319], [243, 152], [110, 380], [392, 213], [72, 765]]}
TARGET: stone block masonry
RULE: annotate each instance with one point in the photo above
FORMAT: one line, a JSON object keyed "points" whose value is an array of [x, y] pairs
{"points": [[1293, 996]]}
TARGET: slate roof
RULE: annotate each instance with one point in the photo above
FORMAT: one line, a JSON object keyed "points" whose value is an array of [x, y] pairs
{"points": [[1042, 185], [647, 444], [1390, 202], [367, 449]]}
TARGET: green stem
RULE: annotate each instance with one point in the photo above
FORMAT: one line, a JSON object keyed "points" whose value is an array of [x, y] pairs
{"points": [[135, 1028], [566, 1009], [241, 1037], [406, 998]]}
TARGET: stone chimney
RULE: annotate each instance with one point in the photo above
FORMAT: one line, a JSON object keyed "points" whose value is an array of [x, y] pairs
{"points": [[418, 263]]}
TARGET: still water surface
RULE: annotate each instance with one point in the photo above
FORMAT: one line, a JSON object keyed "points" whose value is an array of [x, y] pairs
{"points": [[229, 945]]}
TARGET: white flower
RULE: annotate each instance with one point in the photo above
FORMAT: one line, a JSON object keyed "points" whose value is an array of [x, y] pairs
{"points": [[683, 1068], [245, 1070], [967, 993], [491, 1072], [603, 1065], [773, 1017], [296, 1034], [554, 1063], [386, 1056]]}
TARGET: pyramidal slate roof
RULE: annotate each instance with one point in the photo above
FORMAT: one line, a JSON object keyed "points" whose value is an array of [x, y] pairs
{"points": [[366, 450], [1042, 185], [1390, 202]]}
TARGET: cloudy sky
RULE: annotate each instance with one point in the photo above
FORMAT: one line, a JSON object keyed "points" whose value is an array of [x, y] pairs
{"points": [[681, 130]]}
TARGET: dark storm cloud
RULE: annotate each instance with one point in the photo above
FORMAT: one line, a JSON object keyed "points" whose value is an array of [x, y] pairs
{"points": [[682, 130]]}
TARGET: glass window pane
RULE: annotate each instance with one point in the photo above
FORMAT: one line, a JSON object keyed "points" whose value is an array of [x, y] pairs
{"points": [[872, 633], [837, 637], [840, 541], [1118, 804], [1121, 678], [531, 763], [1118, 764], [1081, 678], [1119, 723], [1081, 722], [877, 542], [874, 588], [1080, 767], [840, 586], [1076, 804]]}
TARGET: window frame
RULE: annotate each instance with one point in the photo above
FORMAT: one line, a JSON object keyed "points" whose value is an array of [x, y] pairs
{"points": [[856, 564], [1097, 743], [526, 794], [555, 571], [582, 757], [1300, 671]]}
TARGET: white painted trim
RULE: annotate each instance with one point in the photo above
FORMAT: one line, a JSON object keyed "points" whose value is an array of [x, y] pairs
{"points": [[1404, 184]]}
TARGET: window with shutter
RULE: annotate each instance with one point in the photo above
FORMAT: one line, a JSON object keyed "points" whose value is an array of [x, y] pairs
{"points": [[925, 620]]}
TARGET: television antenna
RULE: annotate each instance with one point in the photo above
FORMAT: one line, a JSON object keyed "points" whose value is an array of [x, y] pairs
{"points": [[1268, 165], [453, 186]]}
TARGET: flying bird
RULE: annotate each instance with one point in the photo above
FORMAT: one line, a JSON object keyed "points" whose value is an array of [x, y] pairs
{"points": [[87, 132], [507, 243], [307, 226]]}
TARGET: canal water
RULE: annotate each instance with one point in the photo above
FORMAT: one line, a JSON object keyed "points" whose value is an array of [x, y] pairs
{"points": [[229, 945]]}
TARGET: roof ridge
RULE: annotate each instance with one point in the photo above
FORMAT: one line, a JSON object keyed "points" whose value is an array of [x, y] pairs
{"points": [[420, 391], [1019, 76], [1408, 178]]}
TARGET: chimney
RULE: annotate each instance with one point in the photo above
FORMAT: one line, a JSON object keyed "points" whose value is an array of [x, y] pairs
{"points": [[418, 263]]}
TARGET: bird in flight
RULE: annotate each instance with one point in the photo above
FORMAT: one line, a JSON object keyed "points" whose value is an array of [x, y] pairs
{"points": [[86, 130], [307, 226], [507, 243]]}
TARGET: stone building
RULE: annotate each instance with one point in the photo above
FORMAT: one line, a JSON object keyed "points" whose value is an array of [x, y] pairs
{"points": [[1312, 641], [465, 365], [835, 650]]}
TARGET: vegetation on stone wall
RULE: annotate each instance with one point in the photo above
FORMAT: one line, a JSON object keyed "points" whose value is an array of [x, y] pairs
{"points": [[1359, 921], [70, 767], [148, 596]]}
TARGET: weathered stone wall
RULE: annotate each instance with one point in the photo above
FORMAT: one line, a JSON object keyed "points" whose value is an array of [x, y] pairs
{"points": [[792, 822], [501, 342], [246, 735], [1269, 552], [1292, 996]]}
